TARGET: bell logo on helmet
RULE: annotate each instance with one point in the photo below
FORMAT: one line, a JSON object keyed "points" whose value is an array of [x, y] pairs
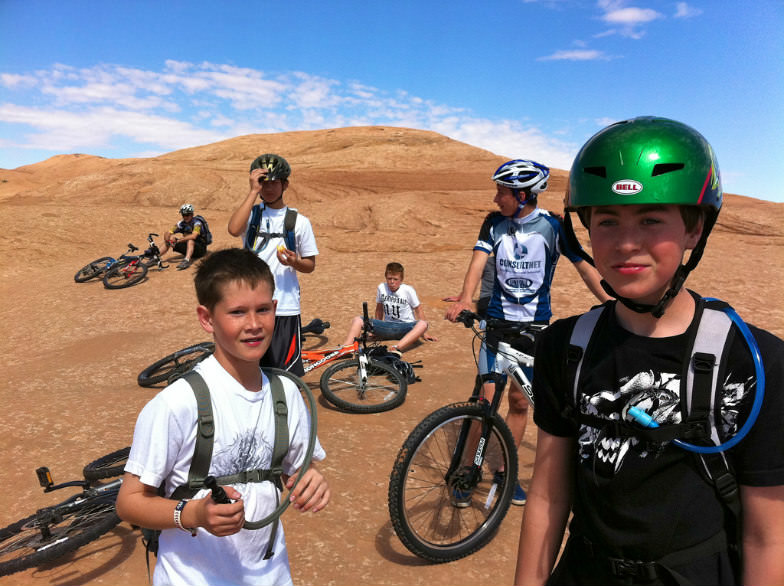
{"points": [[627, 187]]}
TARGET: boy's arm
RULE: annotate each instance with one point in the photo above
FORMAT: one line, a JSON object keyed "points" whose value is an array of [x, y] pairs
{"points": [[140, 504], [547, 510], [419, 313], [239, 219], [312, 493], [289, 258], [763, 534], [592, 279], [380, 311], [470, 282]]}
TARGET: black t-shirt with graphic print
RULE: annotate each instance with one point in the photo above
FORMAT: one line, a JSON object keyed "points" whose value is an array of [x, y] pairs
{"points": [[638, 499]]}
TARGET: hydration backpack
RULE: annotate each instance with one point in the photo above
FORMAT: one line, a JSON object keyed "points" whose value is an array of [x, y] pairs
{"points": [[701, 383], [202, 453], [206, 234], [289, 221]]}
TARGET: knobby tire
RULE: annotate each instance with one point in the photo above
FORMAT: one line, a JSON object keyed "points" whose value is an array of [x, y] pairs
{"points": [[121, 275], [55, 531], [420, 499], [385, 388], [94, 269], [173, 366], [107, 466]]}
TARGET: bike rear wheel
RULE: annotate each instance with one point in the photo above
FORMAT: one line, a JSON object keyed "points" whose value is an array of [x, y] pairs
{"points": [[55, 531], [173, 366], [94, 269], [430, 469], [384, 389], [124, 274], [107, 466]]}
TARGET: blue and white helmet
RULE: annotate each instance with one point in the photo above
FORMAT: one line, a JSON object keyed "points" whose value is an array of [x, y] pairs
{"points": [[521, 175]]}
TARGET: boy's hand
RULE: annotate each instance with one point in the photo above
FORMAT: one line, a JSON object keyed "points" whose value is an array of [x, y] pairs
{"points": [[221, 520], [430, 338], [286, 257], [455, 309], [312, 492], [255, 179]]}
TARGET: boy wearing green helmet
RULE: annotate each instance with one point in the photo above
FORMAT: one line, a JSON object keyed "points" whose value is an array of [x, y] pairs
{"points": [[669, 458]]}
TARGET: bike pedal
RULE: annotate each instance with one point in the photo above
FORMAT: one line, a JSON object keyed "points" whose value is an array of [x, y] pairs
{"points": [[44, 477]]}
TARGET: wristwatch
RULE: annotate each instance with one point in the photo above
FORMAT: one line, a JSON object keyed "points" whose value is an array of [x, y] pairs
{"points": [[177, 518]]}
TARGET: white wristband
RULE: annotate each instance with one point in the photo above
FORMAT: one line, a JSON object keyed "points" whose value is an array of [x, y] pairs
{"points": [[178, 520]]}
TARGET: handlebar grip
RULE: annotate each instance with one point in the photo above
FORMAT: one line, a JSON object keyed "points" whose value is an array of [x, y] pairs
{"points": [[218, 494], [467, 318]]}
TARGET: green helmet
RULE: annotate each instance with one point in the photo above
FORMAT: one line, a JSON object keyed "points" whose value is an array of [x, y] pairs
{"points": [[277, 167], [646, 160]]}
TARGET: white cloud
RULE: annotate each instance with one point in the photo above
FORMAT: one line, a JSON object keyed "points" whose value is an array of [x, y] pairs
{"points": [[119, 111], [626, 20], [575, 55], [684, 10]]}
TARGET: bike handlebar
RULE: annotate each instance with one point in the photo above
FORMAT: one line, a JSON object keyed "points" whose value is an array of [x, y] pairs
{"points": [[467, 318]]}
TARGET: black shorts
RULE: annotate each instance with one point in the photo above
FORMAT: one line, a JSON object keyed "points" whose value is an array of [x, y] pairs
{"points": [[285, 351], [199, 248]]}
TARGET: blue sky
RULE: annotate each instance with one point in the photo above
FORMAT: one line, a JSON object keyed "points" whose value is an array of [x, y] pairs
{"points": [[521, 78]]}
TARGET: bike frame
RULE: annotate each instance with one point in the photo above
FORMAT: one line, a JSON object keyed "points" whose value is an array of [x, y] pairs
{"points": [[509, 360]]}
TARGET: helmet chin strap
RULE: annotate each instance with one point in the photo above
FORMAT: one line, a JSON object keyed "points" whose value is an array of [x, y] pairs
{"points": [[655, 310]]}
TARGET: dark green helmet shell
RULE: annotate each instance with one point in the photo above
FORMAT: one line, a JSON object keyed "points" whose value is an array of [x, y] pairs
{"points": [[645, 160], [277, 167]]}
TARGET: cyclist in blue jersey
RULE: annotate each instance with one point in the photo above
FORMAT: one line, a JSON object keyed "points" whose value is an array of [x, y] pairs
{"points": [[526, 243]]}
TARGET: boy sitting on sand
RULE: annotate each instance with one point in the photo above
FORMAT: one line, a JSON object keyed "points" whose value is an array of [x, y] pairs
{"points": [[399, 314]]}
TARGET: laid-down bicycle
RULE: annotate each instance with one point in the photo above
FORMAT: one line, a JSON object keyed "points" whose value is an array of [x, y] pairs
{"points": [[81, 518], [355, 380], [171, 367], [453, 479], [126, 270]]}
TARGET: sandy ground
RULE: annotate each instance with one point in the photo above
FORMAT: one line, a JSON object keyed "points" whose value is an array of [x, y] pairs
{"points": [[72, 351]]}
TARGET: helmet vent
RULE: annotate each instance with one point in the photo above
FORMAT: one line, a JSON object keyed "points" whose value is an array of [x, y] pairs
{"points": [[598, 171], [663, 168]]}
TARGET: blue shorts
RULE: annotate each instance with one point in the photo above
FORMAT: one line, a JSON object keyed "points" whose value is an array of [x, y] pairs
{"points": [[391, 330]]}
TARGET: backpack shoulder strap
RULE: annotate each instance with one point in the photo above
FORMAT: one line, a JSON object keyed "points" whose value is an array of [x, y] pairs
{"points": [[281, 445], [253, 227], [205, 433], [289, 222], [578, 344]]}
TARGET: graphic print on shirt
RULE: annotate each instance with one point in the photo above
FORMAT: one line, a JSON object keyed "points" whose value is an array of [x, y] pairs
{"points": [[247, 451], [658, 394], [520, 263], [393, 305]]}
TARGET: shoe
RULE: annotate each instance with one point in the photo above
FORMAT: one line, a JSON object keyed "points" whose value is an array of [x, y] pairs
{"points": [[461, 498], [184, 265], [519, 497]]}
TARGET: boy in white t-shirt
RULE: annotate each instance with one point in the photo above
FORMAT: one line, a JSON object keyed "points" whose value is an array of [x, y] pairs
{"points": [[203, 542], [399, 314]]}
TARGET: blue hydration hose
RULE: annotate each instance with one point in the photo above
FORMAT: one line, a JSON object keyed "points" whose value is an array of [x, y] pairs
{"points": [[646, 420]]}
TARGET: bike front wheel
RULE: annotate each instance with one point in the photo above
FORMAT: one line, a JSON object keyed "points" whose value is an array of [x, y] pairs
{"points": [[173, 366], [93, 269], [124, 274], [441, 507], [342, 385], [107, 466], [55, 531]]}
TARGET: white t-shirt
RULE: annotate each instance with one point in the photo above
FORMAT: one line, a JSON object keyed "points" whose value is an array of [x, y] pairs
{"points": [[163, 444], [399, 305], [286, 279]]}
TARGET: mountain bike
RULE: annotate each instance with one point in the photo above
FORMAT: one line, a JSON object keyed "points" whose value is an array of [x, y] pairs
{"points": [[453, 479], [362, 384], [132, 269], [171, 367], [127, 269], [81, 518]]}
